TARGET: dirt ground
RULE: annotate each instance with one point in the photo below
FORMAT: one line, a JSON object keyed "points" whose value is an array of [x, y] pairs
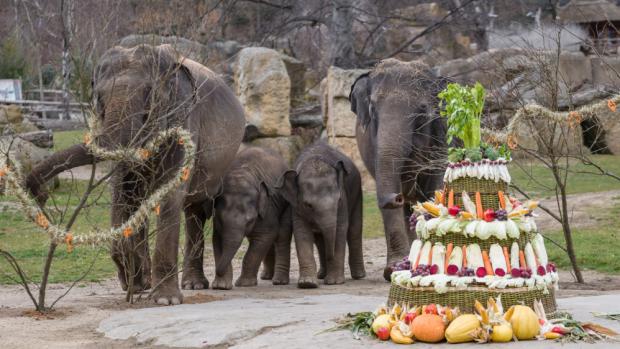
{"points": [[77, 316]]}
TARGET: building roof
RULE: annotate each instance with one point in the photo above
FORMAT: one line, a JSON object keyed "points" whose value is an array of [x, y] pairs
{"points": [[588, 11]]}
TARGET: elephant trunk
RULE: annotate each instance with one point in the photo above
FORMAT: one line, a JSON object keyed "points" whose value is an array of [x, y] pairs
{"points": [[74, 156], [231, 241], [389, 188], [329, 226]]}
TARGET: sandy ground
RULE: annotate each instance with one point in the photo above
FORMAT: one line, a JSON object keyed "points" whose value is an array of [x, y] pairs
{"points": [[74, 323]]}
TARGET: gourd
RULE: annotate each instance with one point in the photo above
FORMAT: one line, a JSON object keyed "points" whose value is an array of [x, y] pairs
{"points": [[428, 328], [461, 328], [524, 322], [501, 333]]}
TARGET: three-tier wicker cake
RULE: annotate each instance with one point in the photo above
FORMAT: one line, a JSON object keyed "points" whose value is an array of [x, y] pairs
{"points": [[474, 240]]}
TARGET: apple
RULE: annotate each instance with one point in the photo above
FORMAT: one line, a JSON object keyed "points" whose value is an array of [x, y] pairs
{"points": [[454, 210], [489, 215], [383, 333], [430, 309], [409, 317]]}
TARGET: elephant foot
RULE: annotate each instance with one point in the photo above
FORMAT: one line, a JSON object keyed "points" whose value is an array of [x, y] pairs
{"points": [[168, 294], [222, 283], [266, 274], [307, 282], [246, 282], [387, 273], [358, 274], [194, 281], [321, 274], [280, 279], [334, 280]]}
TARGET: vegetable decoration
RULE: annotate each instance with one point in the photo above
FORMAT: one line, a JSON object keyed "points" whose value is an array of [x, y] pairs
{"points": [[463, 105]]}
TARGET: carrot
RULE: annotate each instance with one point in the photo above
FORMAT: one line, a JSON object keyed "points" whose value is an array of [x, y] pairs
{"points": [[522, 260], [507, 258], [417, 260], [448, 253], [430, 256], [502, 200], [487, 263], [479, 211], [464, 256], [451, 198]]}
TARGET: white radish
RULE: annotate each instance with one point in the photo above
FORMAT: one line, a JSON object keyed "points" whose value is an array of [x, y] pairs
{"points": [[514, 255]]}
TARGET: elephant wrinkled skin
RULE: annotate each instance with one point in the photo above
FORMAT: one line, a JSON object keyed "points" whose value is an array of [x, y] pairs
{"points": [[250, 207], [401, 139], [138, 92], [325, 191]]}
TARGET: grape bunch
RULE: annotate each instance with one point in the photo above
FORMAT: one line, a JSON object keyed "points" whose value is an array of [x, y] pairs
{"points": [[428, 216], [466, 272], [421, 270], [413, 220], [501, 215], [405, 264]]}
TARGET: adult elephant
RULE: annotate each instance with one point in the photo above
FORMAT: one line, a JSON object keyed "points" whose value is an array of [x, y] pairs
{"points": [[401, 139], [138, 92]]}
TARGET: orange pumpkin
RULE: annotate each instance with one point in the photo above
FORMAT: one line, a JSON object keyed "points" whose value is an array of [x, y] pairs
{"points": [[428, 328]]}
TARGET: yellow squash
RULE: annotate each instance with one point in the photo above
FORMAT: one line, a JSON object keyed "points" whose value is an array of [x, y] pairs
{"points": [[524, 322], [460, 329], [501, 333]]}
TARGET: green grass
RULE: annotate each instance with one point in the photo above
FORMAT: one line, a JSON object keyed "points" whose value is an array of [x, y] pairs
{"points": [[538, 180], [65, 139], [597, 248]]}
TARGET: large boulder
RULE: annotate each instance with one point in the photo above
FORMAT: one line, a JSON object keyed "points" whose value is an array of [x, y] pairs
{"points": [[296, 70], [263, 86], [348, 145], [26, 154], [337, 114]]}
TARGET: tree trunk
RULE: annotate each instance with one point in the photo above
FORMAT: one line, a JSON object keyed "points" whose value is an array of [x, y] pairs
{"points": [[66, 8], [341, 51], [568, 237]]}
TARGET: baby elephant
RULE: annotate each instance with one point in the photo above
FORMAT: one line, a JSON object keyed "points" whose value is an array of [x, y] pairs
{"points": [[325, 192], [250, 207]]}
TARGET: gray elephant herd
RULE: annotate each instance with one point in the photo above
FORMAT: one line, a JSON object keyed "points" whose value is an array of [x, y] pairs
{"points": [[251, 192]]}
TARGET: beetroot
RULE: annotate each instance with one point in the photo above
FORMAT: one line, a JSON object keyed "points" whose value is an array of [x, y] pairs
{"points": [[481, 272], [434, 269], [515, 272], [454, 210], [500, 272], [541, 270], [452, 269]]}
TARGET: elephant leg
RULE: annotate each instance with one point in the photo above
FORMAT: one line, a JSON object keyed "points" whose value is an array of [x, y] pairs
{"points": [[335, 260], [411, 234], [260, 243], [165, 270], [283, 250], [269, 264], [396, 237], [304, 243], [354, 240], [224, 281], [193, 273], [320, 246]]}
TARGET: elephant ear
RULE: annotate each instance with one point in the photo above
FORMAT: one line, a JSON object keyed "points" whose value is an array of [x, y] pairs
{"points": [[178, 83], [360, 100], [264, 198], [287, 187], [342, 173]]}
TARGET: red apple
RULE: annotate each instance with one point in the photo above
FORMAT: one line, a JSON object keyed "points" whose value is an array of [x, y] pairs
{"points": [[489, 215], [454, 210], [409, 317], [383, 333], [430, 309]]}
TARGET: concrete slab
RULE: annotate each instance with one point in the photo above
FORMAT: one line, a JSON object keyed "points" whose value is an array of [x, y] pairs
{"points": [[295, 323]]}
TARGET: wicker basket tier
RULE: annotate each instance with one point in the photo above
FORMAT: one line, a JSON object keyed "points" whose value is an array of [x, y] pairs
{"points": [[458, 239], [488, 190], [464, 299]]}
